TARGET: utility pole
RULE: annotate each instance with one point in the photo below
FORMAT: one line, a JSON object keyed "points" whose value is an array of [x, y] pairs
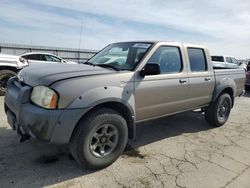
{"points": [[80, 41]]}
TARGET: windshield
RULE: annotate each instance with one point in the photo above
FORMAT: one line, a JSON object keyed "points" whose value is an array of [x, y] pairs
{"points": [[121, 56], [218, 58]]}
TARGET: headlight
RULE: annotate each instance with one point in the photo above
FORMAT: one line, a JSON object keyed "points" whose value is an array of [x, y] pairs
{"points": [[45, 97]]}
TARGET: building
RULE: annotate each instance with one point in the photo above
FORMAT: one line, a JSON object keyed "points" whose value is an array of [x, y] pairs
{"points": [[70, 54]]}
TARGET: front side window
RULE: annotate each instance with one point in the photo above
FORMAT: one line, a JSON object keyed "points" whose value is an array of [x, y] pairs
{"points": [[234, 61], [197, 59], [228, 60], [169, 59], [121, 56], [52, 58]]}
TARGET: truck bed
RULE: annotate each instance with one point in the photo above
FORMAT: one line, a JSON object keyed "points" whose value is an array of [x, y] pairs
{"points": [[225, 75]]}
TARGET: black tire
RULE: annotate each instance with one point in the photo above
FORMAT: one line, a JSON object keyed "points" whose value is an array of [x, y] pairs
{"points": [[247, 88], [83, 136], [5, 75], [217, 112]]}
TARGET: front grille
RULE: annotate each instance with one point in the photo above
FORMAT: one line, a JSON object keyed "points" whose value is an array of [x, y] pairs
{"points": [[17, 84]]}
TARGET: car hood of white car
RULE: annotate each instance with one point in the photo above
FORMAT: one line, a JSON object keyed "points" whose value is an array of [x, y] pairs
{"points": [[6, 57]]}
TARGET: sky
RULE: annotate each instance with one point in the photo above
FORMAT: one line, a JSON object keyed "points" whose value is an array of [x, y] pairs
{"points": [[222, 25]]}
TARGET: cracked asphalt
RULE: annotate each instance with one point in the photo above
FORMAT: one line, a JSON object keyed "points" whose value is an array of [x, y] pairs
{"points": [[176, 151]]}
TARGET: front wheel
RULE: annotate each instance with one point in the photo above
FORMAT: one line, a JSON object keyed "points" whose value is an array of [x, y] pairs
{"points": [[99, 139], [5, 75], [217, 113]]}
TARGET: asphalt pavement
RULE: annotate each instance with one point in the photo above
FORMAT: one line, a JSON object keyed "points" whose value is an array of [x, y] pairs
{"points": [[176, 151]]}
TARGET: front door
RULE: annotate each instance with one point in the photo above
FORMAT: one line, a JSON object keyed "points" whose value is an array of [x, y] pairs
{"points": [[158, 95]]}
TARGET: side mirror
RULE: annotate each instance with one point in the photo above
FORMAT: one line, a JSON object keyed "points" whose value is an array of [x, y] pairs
{"points": [[150, 69]]}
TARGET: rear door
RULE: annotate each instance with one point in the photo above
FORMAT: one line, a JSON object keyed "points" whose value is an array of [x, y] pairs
{"points": [[158, 95], [201, 76]]}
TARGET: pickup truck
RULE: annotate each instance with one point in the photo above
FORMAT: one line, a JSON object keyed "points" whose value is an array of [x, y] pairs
{"points": [[9, 66], [224, 62], [94, 107]]}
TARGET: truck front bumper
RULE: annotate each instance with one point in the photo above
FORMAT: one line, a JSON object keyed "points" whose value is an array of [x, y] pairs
{"points": [[55, 126]]}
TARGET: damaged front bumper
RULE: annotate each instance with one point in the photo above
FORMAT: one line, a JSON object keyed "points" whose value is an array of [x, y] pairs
{"points": [[55, 126], [26, 118]]}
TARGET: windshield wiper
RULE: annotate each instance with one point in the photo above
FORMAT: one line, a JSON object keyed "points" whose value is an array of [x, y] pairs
{"points": [[108, 66]]}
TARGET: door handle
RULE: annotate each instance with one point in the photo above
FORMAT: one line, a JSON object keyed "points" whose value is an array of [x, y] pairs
{"points": [[182, 81], [207, 79]]}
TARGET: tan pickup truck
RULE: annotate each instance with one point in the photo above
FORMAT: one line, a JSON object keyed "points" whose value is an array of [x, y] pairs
{"points": [[94, 107]]}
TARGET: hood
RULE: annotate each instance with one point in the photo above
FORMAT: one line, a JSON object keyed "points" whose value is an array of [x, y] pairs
{"points": [[46, 74], [2, 56], [8, 58]]}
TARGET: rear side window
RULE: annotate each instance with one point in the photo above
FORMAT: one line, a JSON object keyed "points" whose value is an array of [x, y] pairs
{"points": [[42, 57], [35, 57], [197, 59]]}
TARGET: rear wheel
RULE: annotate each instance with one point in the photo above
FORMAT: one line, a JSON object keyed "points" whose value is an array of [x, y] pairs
{"points": [[99, 139], [5, 75], [217, 113]]}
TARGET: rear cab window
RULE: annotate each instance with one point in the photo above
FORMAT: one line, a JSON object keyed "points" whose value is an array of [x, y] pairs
{"points": [[197, 59], [217, 58]]}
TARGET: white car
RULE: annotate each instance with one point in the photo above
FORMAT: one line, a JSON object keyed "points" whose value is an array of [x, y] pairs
{"points": [[9, 67], [224, 62], [41, 57]]}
